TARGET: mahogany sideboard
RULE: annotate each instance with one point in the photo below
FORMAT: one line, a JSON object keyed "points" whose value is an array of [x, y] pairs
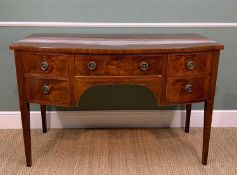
{"points": [[55, 69]]}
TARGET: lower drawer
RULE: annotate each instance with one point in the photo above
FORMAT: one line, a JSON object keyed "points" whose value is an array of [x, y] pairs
{"points": [[47, 91], [187, 89]]}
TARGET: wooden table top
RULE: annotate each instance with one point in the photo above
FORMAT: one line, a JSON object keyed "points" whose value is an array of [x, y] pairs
{"points": [[116, 44]]}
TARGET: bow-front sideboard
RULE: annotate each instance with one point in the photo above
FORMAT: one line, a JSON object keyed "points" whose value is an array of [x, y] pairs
{"points": [[56, 69]]}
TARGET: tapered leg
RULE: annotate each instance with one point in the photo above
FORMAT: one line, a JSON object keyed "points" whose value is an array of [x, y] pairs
{"points": [[207, 130], [43, 116], [25, 118], [188, 113]]}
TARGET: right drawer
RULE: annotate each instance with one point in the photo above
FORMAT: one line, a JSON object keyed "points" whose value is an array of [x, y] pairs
{"points": [[187, 89], [189, 64]]}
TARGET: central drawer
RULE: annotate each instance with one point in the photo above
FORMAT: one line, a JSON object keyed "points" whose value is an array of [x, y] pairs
{"points": [[116, 65]]}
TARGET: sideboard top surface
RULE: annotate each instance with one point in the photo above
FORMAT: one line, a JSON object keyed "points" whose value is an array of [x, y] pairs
{"points": [[116, 44]]}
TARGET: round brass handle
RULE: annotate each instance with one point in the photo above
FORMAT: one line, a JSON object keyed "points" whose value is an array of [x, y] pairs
{"points": [[190, 65], [188, 88], [44, 66], [144, 66], [92, 65], [46, 89]]}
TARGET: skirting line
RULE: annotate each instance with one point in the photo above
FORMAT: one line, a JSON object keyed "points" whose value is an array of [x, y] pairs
{"points": [[118, 119]]}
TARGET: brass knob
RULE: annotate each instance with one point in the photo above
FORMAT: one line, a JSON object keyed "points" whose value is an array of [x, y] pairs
{"points": [[188, 88], [45, 89], [144, 66], [190, 65], [44, 65], [92, 65]]}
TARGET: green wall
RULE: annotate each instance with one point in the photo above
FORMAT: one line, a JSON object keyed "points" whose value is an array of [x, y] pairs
{"points": [[119, 10], [120, 97]]}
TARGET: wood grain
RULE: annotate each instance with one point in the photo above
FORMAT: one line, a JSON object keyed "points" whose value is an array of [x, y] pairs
{"points": [[177, 64], [208, 110], [59, 91], [116, 44], [58, 65], [118, 65], [175, 89]]}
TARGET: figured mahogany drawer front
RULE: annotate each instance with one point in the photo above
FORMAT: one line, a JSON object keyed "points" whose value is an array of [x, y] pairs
{"points": [[57, 65], [46, 91], [187, 89], [118, 65], [189, 64]]}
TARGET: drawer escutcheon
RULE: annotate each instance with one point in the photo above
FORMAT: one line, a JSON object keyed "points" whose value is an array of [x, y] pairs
{"points": [[191, 65], [46, 89], [144, 66], [44, 65], [92, 65], [188, 88]]}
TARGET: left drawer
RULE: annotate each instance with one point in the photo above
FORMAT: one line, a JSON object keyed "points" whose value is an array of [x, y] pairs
{"points": [[47, 91], [46, 64]]}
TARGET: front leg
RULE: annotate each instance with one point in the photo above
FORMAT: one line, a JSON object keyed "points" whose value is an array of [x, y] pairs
{"points": [[25, 118], [207, 130]]}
